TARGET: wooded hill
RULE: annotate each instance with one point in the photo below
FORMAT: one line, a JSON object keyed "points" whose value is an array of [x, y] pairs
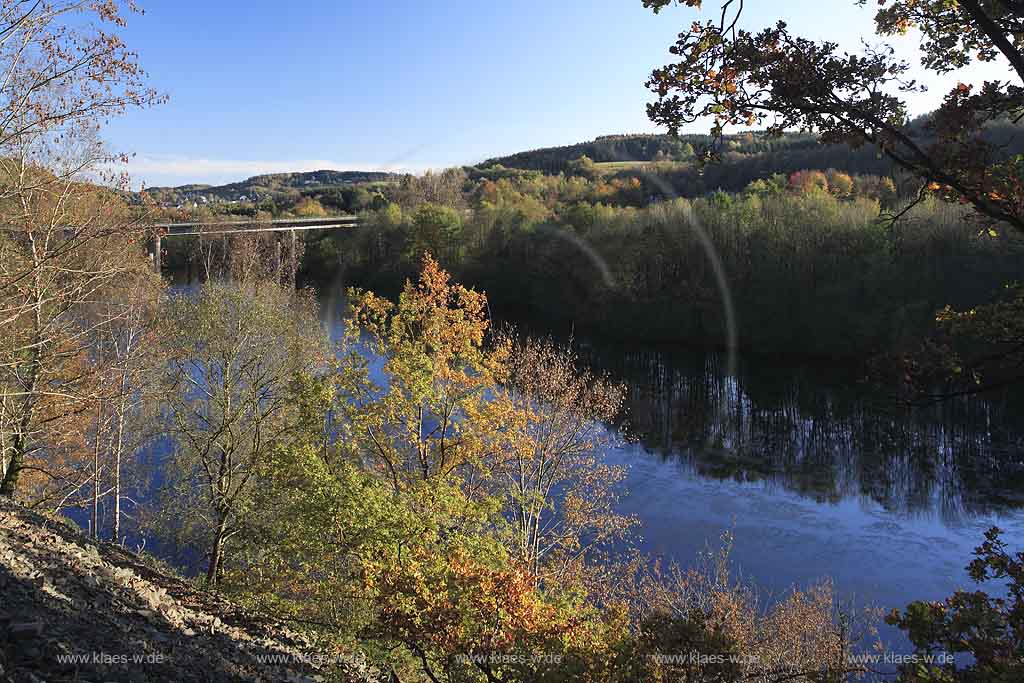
{"points": [[273, 186], [743, 157]]}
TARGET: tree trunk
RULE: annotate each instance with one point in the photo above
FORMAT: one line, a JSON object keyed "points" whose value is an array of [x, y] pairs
{"points": [[9, 485], [10, 481], [20, 442], [117, 497], [118, 449], [96, 471], [213, 571]]}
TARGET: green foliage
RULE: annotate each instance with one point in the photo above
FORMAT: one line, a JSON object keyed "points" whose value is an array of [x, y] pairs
{"points": [[434, 229], [233, 353]]}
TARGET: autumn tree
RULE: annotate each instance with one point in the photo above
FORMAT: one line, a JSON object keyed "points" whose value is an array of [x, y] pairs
{"points": [[424, 424], [309, 208], [50, 371], [561, 499], [67, 241], [808, 181], [518, 416], [839, 183], [372, 523], [420, 576], [773, 77]]}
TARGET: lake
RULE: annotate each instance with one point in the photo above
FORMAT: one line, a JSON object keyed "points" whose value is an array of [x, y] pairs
{"points": [[817, 473]]}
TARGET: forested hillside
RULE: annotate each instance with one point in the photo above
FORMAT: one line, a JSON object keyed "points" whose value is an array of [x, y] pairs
{"points": [[804, 258], [641, 235], [672, 163], [607, 148]]}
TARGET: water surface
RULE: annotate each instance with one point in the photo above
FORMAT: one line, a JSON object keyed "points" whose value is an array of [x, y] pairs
{"points": [[817, 473]]}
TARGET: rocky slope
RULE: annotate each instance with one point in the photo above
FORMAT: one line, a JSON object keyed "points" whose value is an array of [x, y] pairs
{"points": [[75, 610]]}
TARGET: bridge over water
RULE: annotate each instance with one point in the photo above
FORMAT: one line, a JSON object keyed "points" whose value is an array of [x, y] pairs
{"points": [[280, 225]]}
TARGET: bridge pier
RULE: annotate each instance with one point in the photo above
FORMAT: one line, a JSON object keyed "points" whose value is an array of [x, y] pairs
{"points": [[295, 266], [153, 250], [278, 261]]}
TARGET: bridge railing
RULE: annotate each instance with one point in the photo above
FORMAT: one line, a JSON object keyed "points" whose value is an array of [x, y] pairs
{"points": [[292, 225], [275, 225]]}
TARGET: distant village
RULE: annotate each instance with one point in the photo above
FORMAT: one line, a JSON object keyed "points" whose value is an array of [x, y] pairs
{"points": [[193, 200]]}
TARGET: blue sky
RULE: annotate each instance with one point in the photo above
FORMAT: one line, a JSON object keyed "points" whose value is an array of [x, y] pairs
{"points": [[259, 87]]}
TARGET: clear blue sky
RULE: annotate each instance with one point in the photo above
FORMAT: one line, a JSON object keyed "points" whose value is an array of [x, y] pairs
{"points": [[269, 86]]}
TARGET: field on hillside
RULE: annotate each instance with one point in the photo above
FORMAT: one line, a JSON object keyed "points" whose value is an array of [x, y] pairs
{"points": [[612, 167]]}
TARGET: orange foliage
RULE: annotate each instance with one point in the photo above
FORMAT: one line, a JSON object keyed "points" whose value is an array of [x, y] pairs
{"points": [[808, 181]]}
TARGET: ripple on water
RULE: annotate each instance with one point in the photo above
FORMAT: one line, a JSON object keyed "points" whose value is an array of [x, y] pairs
{"points": [[942, 544], [777, 539], [886, 527]]}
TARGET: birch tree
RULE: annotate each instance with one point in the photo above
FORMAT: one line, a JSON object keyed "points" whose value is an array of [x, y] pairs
{"points": [[127, 350]]}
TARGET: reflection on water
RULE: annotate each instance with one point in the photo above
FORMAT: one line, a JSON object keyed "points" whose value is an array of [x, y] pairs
{"points": [[817, 475], [821, 434]]}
